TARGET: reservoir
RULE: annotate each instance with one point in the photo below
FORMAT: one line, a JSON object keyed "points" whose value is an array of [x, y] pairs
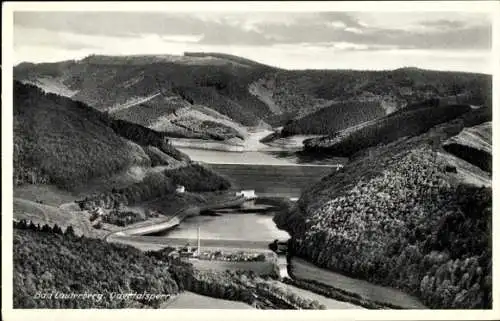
{"points": [[285, 175], [231, 226], [282, 174], [267, 174]]}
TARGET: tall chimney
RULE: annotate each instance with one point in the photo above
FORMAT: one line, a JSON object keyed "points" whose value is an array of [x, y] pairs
{"points": [[199, 243]]}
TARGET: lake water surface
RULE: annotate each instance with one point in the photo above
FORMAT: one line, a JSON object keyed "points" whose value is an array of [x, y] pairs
{"points": [[284, 175], [230, 226], [283, 157], [268, 174]]}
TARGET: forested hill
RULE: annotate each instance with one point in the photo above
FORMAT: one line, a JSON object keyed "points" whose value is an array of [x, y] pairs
{"points": [[408, 215], [66, 151], [247, 92], [66, 143]]}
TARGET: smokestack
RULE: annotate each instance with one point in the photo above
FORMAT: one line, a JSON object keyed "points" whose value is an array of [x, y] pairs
{"points": [[199, 243]]}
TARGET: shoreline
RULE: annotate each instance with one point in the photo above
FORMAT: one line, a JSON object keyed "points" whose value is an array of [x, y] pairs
{"points": [[280, 165], [151, 226], [252, 143], [136, 239]]}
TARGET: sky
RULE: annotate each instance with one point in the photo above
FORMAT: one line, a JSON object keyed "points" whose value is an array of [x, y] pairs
{"points": [[457, 41]]}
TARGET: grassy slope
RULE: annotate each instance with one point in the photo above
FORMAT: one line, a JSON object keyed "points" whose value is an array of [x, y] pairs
{"points": [[228, 57], [47, 194], [396, 217], [48, 214]]}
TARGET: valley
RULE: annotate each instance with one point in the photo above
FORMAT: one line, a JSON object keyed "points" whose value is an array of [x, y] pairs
{"points": [[364, 175]]}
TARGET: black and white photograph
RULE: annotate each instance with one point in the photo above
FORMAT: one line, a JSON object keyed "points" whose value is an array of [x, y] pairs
{"points": [[229, 156]]}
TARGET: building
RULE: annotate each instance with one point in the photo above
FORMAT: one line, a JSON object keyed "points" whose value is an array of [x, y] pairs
{"points": [[180, 189], [187, 251], [247, 194], [185, 254], [191, 252]]}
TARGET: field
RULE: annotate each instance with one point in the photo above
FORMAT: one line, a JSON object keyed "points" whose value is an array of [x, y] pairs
{"points": [[48, 194]]}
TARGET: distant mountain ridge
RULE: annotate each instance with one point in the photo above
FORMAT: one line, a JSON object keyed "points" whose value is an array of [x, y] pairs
{"points": [[248, 92]]}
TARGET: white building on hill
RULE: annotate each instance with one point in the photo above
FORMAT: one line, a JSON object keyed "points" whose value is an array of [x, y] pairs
{"points": [[248, 194]]}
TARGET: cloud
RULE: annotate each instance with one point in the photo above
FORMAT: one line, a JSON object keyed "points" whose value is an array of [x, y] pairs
{"points": [[444, 23], [122, 24], [265, 28], [349, 19], [182, 38], [475, 37], [248, 34], [337, 24], [353, 30], [46, 38]]}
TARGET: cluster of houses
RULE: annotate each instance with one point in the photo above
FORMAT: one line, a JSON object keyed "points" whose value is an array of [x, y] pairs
{"points": [[188, 252], [185, 252], [232, 257]]}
